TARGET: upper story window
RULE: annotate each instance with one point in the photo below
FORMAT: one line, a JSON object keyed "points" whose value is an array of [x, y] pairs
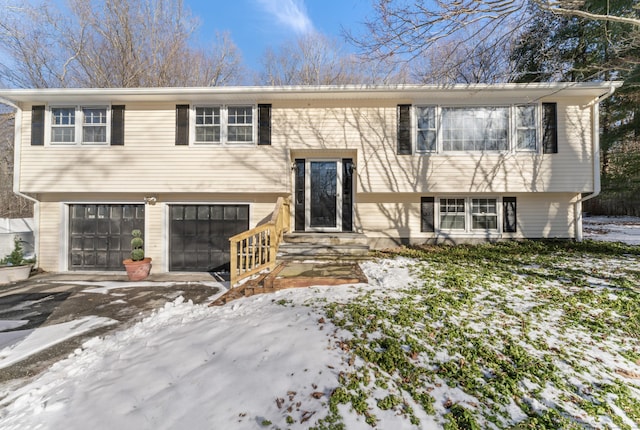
{"points": [[223, 124], [526, 128], [73, 125], [207, 124], [427, 131], [477, 128]]}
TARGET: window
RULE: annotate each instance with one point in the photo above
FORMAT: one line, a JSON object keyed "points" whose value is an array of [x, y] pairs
{"points": [[94, 128], [223, 124], [452, 214], [427, 132], [475, 129], [240, 124], [526, 128], [84, 125], [63, 125], [484, 214], [207, 124], [468, 215]]}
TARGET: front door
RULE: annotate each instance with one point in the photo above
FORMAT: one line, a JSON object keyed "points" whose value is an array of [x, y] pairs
{"points": [[323, 195]]}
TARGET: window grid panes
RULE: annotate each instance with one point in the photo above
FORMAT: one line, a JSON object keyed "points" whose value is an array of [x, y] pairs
{"points": [[207, 124], [452, 214], [526, 126], [63, 123], [94, 129], [475, 129], [427, 132], [240, 124], [484, 214]]}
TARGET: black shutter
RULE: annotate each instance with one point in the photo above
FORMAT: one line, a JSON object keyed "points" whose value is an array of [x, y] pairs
{"points": [[37, 125], [550, 128], [117, 125], [509, 218], [347, 194], [264, 124], [299, 195], [427, 214], [404, 130], [182, 124]]}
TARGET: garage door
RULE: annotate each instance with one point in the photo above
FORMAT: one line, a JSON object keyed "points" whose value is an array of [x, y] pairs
{"points": [[100, 235], [200, 236]]}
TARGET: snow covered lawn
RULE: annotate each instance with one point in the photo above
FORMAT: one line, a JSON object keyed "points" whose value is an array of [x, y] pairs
{"points": [[545, 335]]}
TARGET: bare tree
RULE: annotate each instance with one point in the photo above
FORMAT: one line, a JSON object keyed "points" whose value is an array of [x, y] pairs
{"points": [[110, 43], [312, 59], [11, 205], [407, 30], [457, 60], [315, 59]]}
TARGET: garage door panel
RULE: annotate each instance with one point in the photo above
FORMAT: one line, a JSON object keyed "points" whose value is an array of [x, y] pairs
{"points": [[100, 235], [200, 235]]}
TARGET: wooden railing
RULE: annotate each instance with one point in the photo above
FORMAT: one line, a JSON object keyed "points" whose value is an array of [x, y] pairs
{"points": [[255, 250]]}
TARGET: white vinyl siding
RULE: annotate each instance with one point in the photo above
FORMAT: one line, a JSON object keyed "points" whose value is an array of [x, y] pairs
{"points": [[366, 130]]}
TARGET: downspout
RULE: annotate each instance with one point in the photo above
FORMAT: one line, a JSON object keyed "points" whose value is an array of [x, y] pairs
{"points": [[17, 149], [595, 133]]}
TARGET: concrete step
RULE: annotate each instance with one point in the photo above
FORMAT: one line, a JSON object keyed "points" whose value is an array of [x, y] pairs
{"points": [[327, 238], [313, 251]]}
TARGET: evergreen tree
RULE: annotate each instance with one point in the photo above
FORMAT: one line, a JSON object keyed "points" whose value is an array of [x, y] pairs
{"points": [[575, 49]]}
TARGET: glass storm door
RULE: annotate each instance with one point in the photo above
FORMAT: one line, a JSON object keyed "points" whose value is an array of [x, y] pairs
{"points": [[323, 195]]}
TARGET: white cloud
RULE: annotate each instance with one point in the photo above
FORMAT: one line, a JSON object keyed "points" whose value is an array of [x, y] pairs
{"points": [[291, 13]]}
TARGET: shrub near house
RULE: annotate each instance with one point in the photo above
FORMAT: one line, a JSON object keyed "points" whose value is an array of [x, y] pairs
{"points": [[14, 267]]}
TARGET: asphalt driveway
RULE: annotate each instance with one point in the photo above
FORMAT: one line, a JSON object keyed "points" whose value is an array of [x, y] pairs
{"points": [[48, 300]]}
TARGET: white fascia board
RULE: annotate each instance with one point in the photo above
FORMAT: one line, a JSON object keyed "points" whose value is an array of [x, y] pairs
{"points": [[343, 92]]}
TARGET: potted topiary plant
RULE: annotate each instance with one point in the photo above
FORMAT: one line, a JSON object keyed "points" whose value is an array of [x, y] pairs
{"points": [[138, 267], [14, 267]]}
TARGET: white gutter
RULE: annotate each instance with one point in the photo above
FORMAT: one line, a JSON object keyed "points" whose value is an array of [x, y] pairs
{"points": [[17, 150], [595, 133]]}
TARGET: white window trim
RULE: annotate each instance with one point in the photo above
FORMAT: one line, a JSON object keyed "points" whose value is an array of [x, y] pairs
{"points": [[468, 218], [224, 124], [538, 127], [79, 123], [512, 129], [193, 126]]}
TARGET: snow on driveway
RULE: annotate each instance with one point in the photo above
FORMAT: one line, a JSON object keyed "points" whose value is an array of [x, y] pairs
{"points": [[191, 366]]}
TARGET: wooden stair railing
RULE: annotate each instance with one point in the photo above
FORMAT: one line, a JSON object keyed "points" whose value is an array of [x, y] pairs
{"points": [[256, 249]]}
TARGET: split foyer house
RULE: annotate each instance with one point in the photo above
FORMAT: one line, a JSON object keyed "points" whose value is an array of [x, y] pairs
{"points": [[192, 167]]}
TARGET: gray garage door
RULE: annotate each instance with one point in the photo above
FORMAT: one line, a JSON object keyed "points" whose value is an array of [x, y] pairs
{"points": [[100, 235], [200, 236]]}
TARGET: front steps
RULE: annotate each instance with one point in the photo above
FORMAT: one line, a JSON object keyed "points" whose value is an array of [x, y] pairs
{"points": [[323, 246], [296, 275]]}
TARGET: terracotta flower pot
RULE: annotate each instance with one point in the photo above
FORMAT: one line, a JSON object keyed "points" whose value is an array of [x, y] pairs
{"points": [[137, 270]]}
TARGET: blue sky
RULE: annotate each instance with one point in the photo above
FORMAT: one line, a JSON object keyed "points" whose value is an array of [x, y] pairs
{"points": [[255, 25]]}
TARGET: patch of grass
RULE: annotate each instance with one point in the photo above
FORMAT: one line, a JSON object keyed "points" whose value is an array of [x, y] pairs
{"points": [[528, 325]]}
